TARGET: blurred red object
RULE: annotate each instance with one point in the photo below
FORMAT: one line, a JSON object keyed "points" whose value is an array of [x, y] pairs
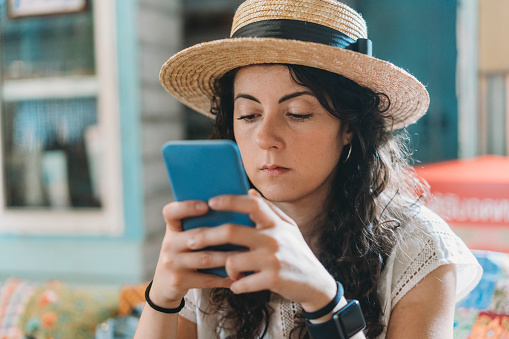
{"points": [[472, 195]]}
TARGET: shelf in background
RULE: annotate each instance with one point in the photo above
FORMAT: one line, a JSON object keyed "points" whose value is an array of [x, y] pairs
{"points": [[50, 88]]}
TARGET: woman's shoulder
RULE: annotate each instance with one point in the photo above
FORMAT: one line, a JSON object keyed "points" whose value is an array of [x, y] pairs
{"points": [[425, 236], [424, 229], [423, 222], [425, 242]]}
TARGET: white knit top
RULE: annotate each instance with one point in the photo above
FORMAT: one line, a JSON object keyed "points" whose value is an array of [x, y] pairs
{"points": [[425, 243]]}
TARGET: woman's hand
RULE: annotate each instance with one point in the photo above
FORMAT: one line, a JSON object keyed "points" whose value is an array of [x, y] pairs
{"points": [[176, 269], [278, 255]]}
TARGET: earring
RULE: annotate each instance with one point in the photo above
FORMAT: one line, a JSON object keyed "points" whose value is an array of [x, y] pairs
{"points": [[348, 155]]}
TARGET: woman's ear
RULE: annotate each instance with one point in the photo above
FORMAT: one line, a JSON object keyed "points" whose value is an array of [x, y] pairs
{"points": [[347, 134]]}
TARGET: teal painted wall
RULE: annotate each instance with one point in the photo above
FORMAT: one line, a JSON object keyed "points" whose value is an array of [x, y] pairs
{"points": [[75, 260], [420, 37]]}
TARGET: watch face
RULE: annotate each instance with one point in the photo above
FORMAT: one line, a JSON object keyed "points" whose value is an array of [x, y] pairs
{"points": [[350, 319]]}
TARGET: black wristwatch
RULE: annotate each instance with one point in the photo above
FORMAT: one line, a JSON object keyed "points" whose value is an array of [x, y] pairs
{"points": [[344, 324]]}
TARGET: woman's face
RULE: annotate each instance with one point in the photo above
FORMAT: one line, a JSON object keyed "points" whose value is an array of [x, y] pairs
{"points": [[290, 145]]}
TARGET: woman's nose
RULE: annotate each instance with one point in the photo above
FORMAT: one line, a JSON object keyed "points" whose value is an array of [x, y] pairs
{"points": [[270, 133]]}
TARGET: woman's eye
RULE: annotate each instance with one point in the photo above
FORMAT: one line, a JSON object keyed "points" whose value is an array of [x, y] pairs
{"points": [[300, 117], [248, 117]]}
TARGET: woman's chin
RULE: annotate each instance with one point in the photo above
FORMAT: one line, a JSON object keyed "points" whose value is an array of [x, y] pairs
{"points": [[278, 195]]}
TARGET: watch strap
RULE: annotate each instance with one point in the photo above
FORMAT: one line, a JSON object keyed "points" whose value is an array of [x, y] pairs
{"points": [[327, 308], [324, 330]]}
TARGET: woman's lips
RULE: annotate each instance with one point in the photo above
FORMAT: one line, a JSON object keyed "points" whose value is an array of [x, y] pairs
{"points": [[274, 170]]}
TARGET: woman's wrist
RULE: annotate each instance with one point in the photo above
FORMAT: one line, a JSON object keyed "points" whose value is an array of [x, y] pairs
{"points": [[159, 308], [325, 311], [159, 300], [322, 298], [342, 303]]}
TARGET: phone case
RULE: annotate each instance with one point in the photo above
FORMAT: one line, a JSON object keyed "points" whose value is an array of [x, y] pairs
{"points": [[202, 169]]}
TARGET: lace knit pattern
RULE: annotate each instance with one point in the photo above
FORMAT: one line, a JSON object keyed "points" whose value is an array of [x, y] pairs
{"points": [[417, 270], [287, 313], [189, 310]]}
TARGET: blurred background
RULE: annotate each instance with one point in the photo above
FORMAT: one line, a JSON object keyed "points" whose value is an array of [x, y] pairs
{"points": [[83, 118]]}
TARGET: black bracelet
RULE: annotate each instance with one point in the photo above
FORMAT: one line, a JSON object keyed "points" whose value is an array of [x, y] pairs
{"points": [[327, 308], [162, 309]]}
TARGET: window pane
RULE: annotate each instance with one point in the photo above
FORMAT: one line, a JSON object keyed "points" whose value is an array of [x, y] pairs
{"points": [[51, 153], [46, 46]]}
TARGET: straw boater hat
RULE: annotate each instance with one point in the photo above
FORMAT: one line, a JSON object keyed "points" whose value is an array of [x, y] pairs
{"points": [[324, 34]]}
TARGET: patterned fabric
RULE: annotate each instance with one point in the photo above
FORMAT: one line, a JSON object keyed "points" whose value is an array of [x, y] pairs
{"points": [[425, 243], [485, 311], [54, 310], [59, 311], [14, 295]]}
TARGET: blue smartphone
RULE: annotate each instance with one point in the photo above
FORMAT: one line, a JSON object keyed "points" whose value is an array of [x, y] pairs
{"points": [[200, 170]]}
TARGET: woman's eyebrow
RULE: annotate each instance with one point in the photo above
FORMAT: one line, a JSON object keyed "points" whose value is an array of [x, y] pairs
{"points": [[246, 96], [295, 94], [284, 98]]}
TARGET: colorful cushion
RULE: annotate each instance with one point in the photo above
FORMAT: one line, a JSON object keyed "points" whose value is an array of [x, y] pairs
{"points": [[56, 310], [484, 313], [14, 295]]}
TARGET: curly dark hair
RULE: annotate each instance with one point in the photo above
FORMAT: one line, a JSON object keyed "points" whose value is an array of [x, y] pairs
{"points": [[371, 193]]}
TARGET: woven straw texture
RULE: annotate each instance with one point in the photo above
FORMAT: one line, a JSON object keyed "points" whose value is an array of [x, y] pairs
{"points": [[327, 12], [190, 74]]}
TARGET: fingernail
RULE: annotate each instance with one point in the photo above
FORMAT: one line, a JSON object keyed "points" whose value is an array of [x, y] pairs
{"points": [[213, 202], [254, 192], [201, 206], [233, 288]]}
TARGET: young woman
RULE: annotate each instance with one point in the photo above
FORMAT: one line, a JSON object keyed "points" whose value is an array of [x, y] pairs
{"points": [[337, 210]]}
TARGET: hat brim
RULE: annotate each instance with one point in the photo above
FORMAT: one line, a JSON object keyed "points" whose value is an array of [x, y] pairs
{"points": [[190, 74]]}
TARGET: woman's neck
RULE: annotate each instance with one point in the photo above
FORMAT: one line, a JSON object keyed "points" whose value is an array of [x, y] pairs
{"points": [[307, 211], [306, 215]]}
